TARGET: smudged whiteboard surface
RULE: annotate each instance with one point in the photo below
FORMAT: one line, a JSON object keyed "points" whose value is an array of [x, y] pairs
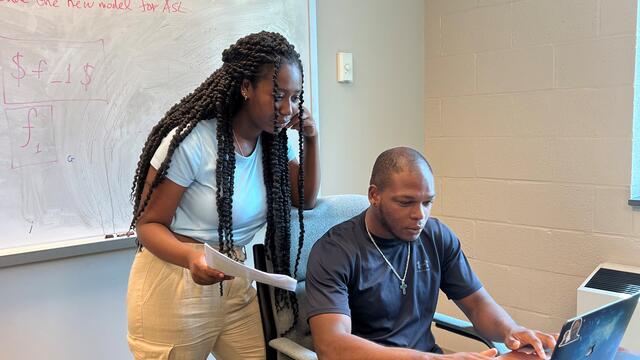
{"points": [[83, 82]]}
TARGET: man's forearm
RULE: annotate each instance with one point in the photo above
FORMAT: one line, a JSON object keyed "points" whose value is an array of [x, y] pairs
{"points": [[492, 321], [347, 347], [489, 318]]}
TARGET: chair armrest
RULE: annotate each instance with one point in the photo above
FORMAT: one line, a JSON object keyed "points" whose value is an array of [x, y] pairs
{"points": [[466, 329], [292, 349]]}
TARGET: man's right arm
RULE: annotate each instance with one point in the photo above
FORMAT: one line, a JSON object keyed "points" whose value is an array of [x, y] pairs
{"points": [[332, 339]]}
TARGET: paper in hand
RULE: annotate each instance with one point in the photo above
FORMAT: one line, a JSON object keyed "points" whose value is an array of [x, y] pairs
{"points": [[221, 262]]}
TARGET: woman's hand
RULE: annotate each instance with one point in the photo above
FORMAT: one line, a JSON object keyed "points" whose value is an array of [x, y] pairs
{"points": [[201, 273], [309, 125]]}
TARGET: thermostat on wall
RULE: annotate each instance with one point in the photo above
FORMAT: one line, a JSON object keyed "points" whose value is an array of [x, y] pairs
{"points": [[344, 67]]}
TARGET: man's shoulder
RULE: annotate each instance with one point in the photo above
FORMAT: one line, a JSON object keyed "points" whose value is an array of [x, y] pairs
{"points": [[439, 231], [434, 226]]}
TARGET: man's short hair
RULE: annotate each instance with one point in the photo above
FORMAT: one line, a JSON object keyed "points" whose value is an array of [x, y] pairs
{"points": [[393, 161]]}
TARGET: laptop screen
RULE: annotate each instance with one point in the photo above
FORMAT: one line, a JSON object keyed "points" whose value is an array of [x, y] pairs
{"points": [[596, 334]]}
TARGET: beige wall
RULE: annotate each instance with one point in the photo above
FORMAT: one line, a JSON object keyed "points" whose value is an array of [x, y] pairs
{"points": [[384, 105], [529, 109]]}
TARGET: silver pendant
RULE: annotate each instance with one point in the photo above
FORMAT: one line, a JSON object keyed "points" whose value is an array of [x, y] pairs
{"points": [[403, 287]]}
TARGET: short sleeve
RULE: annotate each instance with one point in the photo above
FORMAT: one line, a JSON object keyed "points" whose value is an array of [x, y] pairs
{"points": [[185, 161], [329, 271], [458, 279]]}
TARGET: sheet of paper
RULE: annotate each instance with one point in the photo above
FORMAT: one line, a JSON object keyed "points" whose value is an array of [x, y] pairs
{"points": [[221, 262]]}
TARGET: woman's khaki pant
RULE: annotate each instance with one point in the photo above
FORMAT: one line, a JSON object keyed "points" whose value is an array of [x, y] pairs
{"points": [[173, 318]]}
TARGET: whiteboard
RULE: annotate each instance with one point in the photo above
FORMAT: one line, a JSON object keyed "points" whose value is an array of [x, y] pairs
{"points": [[83, 82]]}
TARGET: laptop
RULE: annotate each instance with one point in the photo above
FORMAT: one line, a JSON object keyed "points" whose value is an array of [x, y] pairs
{"points": [[595, 335]]}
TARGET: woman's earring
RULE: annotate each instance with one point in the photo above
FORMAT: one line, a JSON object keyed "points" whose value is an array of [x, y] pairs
{"points": [[244, 95]]}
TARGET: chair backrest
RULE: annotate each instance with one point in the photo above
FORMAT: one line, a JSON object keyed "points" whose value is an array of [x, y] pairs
{"points": [[329, 211]]}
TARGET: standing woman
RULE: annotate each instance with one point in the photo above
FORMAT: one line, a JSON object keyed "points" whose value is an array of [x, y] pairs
{"points": [[214, 169]]}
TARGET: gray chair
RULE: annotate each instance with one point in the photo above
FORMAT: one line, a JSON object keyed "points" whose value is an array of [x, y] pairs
{"points": [[297, 344]]}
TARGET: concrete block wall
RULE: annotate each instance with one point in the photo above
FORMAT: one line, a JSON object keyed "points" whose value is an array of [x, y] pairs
{"points": [[528, 125]]}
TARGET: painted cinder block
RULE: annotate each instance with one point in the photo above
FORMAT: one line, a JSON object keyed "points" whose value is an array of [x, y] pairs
{"points": [[443, 7], [458, 163], [551, 205], [548, 250], [477, 115], [450, 75], [475, 199], [598, 112], [537, 22], [520, 288], [433, 119], [612, 213], [514, 158], [618, 16], [515, 70], [613, 161], [477, 30], [595, 63]]}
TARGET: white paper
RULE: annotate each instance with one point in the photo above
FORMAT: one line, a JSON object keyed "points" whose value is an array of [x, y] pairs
{"points": [[221, 262]]}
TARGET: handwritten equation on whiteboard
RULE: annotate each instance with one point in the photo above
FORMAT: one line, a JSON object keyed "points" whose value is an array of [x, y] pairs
{"points": [[45, 71], [31, 135]]}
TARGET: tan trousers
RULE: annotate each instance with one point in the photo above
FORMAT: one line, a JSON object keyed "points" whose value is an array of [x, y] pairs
{"points": [[173, 318]]}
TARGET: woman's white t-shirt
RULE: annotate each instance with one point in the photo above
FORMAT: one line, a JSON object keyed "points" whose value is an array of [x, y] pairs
{"points": [[193, 166]]}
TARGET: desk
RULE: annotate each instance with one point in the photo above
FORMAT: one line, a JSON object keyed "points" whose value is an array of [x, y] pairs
{"points": [[621, 355]]}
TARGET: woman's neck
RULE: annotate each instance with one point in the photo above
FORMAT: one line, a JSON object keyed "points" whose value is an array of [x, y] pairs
{"points": [[245, 136], [243, 129]]}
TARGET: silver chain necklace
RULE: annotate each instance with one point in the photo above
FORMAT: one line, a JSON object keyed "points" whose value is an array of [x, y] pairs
{"points": [[403, 285], [237, 143]]}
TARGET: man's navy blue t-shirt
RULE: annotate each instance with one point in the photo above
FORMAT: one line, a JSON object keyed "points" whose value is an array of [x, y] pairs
{"points": [[347, 275]]}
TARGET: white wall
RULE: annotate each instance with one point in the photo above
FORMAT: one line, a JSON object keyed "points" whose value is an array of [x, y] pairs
{"points": [[384, 105], [529, 110], [72, 308]]}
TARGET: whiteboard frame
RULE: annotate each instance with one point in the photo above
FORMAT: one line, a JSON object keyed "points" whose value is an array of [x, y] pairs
{"points": [[63, 249]]}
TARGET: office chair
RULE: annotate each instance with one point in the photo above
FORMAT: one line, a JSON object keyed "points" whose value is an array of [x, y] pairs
{"points": [[297, 344]]}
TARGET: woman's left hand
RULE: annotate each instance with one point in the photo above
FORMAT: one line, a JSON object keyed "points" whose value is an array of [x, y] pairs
{"points": [[309, 125]]}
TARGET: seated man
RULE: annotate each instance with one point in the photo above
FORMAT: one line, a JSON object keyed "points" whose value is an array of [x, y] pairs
{"points": [[373, 281]]}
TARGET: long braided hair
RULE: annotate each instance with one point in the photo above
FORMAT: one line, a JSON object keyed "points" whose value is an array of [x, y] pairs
{"points": [[219, 97]]}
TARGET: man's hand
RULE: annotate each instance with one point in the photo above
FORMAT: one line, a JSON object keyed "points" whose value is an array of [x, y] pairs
{"points": [[520, 337]]}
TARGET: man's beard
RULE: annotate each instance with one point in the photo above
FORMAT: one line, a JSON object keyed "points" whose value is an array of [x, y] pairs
{"points": [[386, 226]]}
